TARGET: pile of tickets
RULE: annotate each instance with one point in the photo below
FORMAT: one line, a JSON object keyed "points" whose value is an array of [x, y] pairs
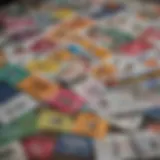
{"points": [[80, 80]]}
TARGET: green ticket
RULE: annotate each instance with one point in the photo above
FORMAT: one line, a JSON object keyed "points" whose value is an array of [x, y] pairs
{"points": [[23, 126], [13, 74]]}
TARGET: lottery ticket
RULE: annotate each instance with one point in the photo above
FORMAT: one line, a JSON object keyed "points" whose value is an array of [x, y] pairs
{"points": [[111, 38], [107, 9], [38, 87], [74, 72], [7, 92], [17, 54], [75, 145], [127, 22], [95, 94], [13, 151], [19, 74], [63, 14], [65, 98], [23, 126], [48, 65], [39, 147], [16, 107], [130, 122], [89, 124], [134, 99], [41, 45], [147, 144], [54, 121], [153, 113], [116, 147], [24, 36], [15, 24]]}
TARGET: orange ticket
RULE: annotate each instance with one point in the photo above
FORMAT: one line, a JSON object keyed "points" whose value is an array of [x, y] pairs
{"points": [[90, 125], [38, 87]]}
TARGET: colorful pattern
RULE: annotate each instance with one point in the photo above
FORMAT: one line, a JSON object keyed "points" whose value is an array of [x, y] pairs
{"points": [[79, 80]]}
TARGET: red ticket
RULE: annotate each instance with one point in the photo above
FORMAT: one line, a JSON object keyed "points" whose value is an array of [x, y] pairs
{"points": [[39, 147], [136, 47]]}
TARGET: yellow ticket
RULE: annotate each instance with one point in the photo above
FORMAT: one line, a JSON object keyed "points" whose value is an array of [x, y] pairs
{"points": [[63, 13], [54, 121], [43, 66]]}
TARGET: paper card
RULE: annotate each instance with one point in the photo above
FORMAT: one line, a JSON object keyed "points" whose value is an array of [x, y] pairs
{"points": [[150, 59], [75, 71], [151, 34], [95, 94], [128, 22], [13, 74], [24, 36], [54, 121], [63, 13], [88, 124], [18, 54], [130, 99], [149, 79], [38, 87], [7, 92], [122, 147], [15, 50], [111, 38], [114, 146], [107, 9], [39, 147], [127, 66], [67, 101], [135, 48], [44, 66], [130, 122], [153, 113], [23, 126], [15, 24], [74, 145], [16, 107], [147, 144], [106, 73], [103, 149], [13, 151], [41, 46]]}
